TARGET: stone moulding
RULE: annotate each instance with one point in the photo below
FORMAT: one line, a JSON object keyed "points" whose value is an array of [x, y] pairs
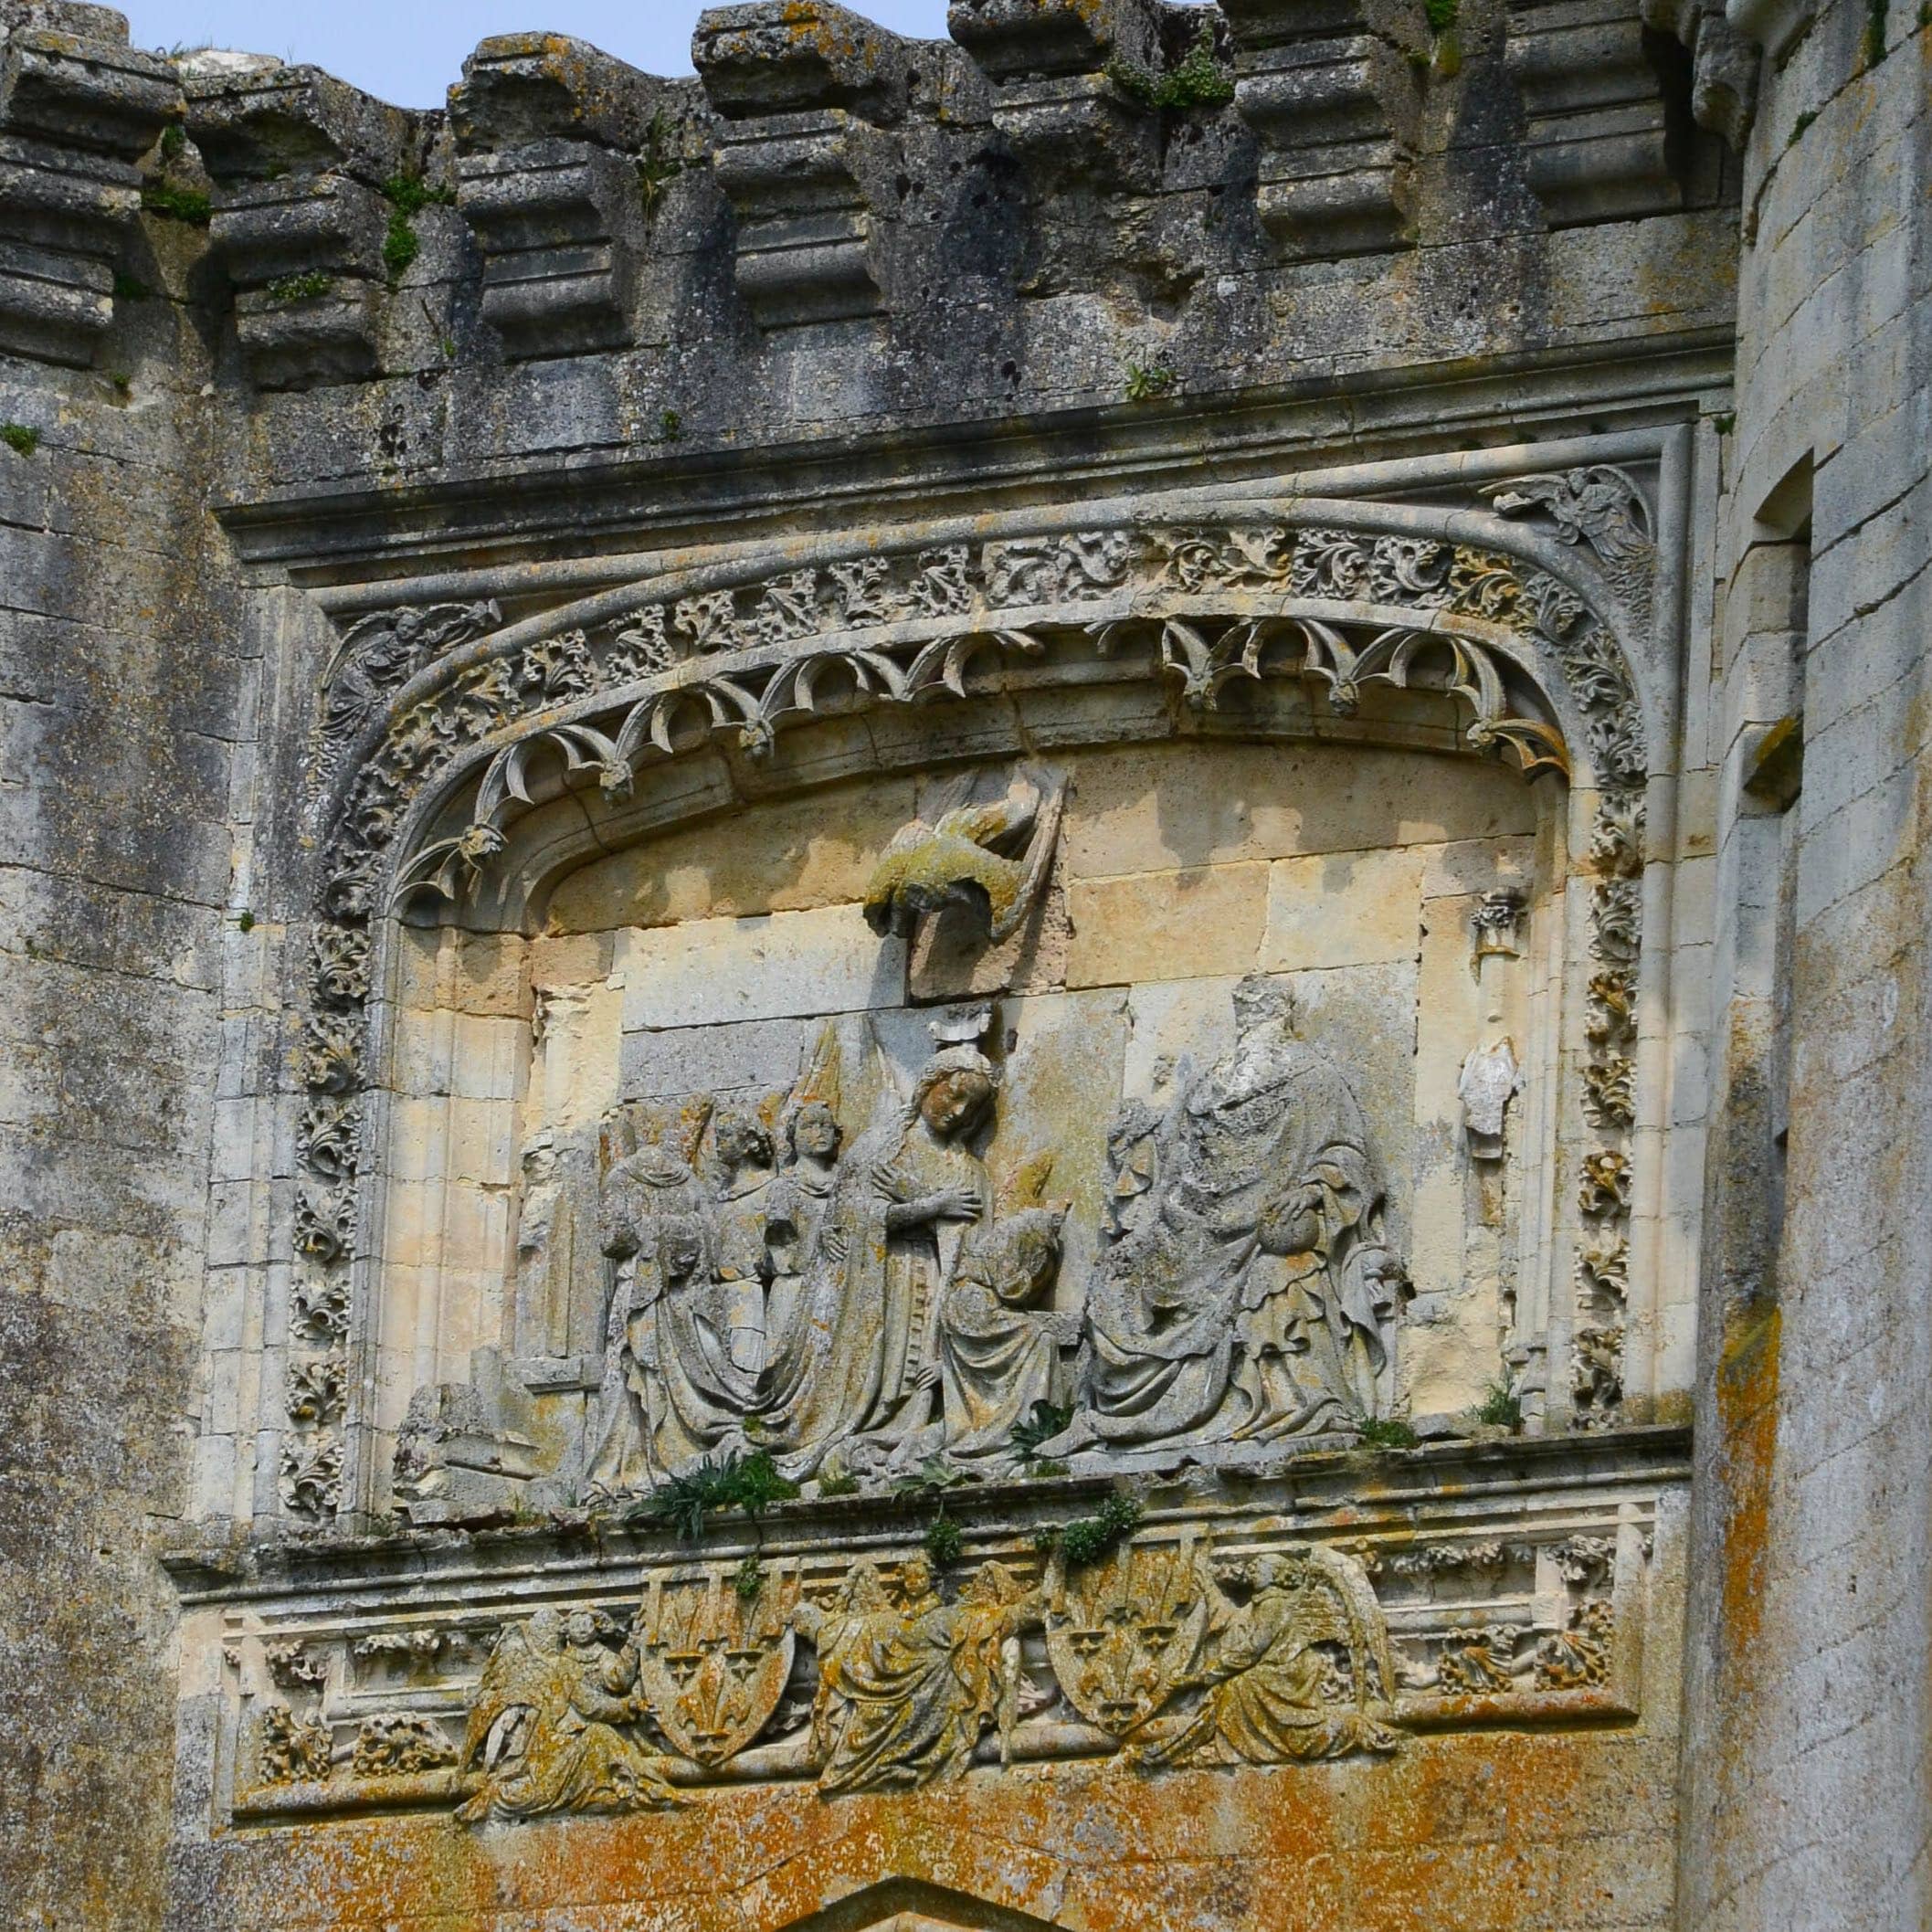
{"points": [[433, 721]]}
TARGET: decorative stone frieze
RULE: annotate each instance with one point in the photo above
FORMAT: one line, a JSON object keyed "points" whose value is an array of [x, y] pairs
{"points": [[1333, 104], [78, 107], [1058, 96], [556, 147], [808, 96]]}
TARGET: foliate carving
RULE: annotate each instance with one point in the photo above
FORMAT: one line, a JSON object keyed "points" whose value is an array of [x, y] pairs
{"points": [[715, 1661], [896, 628], [311, 1474], [1577, 1658], [291, 1749], [1478, 1659], [1609, 1090], [1597, 1370], [1604, 1189], [397, 1746]]}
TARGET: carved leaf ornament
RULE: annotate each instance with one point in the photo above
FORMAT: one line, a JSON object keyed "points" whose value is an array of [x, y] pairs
{"points": [[423, 705]]}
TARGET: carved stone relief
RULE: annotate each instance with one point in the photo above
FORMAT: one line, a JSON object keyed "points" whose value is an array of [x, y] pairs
{"points": [[717, 1289]]}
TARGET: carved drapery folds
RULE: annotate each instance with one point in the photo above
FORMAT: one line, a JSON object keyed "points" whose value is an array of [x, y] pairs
{"points": [[1207, 607]]}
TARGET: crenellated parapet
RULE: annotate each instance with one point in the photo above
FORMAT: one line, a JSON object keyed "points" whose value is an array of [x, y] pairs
{"points": [[1059, 70], [304, 166], [809, 98], [78, 107], [559, 151], [1333, 104]]}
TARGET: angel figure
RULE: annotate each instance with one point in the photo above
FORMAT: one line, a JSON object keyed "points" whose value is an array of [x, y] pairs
{"points": [[1299, 1672], [551, 1726], [990, 858]]}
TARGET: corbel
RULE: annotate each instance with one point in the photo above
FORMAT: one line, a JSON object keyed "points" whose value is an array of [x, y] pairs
{"points": [[1334, 107], [1598, 143], [78, 107], [299, 161], [1723, 64], [1054, 69], [550, 137], [808, 95]]}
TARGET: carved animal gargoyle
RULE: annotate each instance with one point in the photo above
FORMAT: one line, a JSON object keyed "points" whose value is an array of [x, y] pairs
{"points": [[991, 858]]}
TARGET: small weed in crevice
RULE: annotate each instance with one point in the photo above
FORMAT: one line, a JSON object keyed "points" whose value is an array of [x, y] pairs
{"points": [[1043, 1422], [1087, 1539], [1441, 15], [176, 204], [1500, 1408], [408, 195], [245, 921], [19, 438], [750, 1483], [1876, 24], [129, 288], [300, 287], [942, 1541], [1197, 81], [748, 1580], [174, 141], [1799, 125], [123, 382], [657, 166], [1725, 423], [670, 427], [1147, 381], [1387, 1433]]}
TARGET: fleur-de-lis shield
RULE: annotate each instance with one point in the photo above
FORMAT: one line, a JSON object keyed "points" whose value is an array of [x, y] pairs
{"points": [[1126, 1634], [713, 1661]]}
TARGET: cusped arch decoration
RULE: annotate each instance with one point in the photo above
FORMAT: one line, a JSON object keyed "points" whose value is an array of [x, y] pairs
{"points": [[433, 717]]}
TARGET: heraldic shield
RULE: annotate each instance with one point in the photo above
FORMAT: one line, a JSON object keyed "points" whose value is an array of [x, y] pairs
{"points": [[1125, 1634], [715, 1661]]}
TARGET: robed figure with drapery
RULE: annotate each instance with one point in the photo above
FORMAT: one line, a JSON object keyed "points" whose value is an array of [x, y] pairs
{"points": [[1253, 1302]]}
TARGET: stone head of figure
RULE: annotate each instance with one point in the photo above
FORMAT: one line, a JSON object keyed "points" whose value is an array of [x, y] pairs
{"points": [[583, 1628], [863, 1589], [545, 1631], [815, 1132], [992, 1584], [916, 1579], [742, 1139], [679, 1245], [1261, 1001], [955, 1091]]}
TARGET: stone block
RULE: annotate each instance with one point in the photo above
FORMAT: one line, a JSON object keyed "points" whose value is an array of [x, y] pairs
{"points": [[1208, 921], [1344, 909]]}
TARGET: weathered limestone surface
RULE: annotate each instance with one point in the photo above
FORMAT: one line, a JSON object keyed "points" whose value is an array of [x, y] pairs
{"points": [[968, 983]]}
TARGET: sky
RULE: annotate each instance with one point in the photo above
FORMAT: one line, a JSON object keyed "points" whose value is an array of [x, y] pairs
{"points": [[410, 51]]}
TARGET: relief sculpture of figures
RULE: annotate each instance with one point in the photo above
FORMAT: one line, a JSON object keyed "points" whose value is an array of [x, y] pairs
{"points": [[554, 1726], [1300, 1670], [861, 1367], [906, 1692], [1254, 1302]]}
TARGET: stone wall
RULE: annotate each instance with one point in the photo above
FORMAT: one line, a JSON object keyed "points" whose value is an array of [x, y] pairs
{"points": [[534, 630], [1805, 1795]]}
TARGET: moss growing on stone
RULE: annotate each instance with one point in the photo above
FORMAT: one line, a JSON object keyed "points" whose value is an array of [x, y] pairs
{"points": [[177, 204], [19, 438], [942, 1541], [1087, 1539]]}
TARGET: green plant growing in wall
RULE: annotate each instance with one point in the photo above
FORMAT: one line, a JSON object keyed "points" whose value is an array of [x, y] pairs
{"points": [[1198, 79], [177, 204], [1087, 1539], [300, 287], [129, 288], [1043, 1422], [19, 438], [1147, 381], [751, 1483], [1387, 1433], [658, 167], [1499, 1408], [942, 1541], [408, 195], [748, 1580]]}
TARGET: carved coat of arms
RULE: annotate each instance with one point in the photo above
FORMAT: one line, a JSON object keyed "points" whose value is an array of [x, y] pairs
{"points": [[715, 1662], [1125, 1634]]}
